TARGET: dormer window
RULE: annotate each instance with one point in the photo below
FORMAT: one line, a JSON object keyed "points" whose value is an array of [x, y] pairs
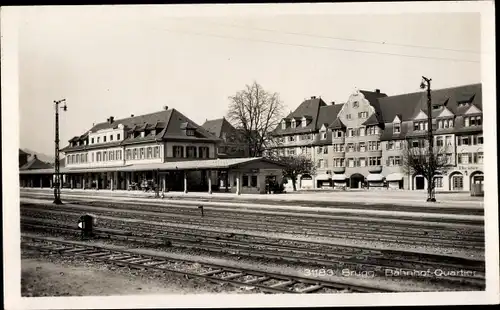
{"points": [[304, 122], [293, 124], [473, 121], [283, 124], [118, 136], [143, 134], [190, 132], [397, 128]]}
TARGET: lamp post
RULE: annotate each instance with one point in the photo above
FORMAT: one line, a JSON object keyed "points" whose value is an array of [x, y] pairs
{"points": [[426, 83], [57, 181]]}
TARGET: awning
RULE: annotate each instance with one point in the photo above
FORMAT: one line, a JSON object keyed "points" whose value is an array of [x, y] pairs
{"points": [[372, 177], [323, 177], [394, 177], [339, 177]]}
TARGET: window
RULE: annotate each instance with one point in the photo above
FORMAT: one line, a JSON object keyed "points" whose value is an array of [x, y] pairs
{"points": [[178, 151], [98, 156], [362, 147], [291, 138], [104, 156], [480, 139], [283, 125], [362, 131], [92, 157], [415, 126], [439, 141], [149, 152], [92, 140], [111, 138], [348, 116], [104, 139], [397, 161], [350, 162], [320, 163], [397, 128], [191, 151], [98, 139], [479, 121], [363, 114], [323, 136], [338, 133], [480, 157], [325, 150], [304, 122], [291, 151], [467, 122], [350, 147], [415, 143], [135, 154], [390, 145], [117, 136], [465, 140], [203, 152], [448, 140], [293, 123], [190, 132], [111, 155], [438, 182], [355, 104], [464, 158], [253, 181], [350, 132], [129, 154], [142, 153], [448, 158], [362, 162], [320, 150], [245, 181]]}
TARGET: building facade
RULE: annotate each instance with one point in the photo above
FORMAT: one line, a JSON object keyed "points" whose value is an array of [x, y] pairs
{"points": [[360, 143], [232, 144], [164, 149]]}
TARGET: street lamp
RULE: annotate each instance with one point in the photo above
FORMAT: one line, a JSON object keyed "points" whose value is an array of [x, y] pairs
{"points": [[57, 182], [426, 83]]}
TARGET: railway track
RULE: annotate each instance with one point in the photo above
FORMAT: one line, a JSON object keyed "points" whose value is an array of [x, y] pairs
{"points": [[326, 256], [370, 233], [240, 277], [349, 205]]}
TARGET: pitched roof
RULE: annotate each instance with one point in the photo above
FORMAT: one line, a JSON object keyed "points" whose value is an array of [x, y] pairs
{"points": [[309, 107], [372, 120], [337, 124], [409, 105], [35, 163], [21, 152], [328, 114], [171, 122], [373, 99]]}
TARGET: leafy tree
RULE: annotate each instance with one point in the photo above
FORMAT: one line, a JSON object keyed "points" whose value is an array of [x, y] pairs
{"points": [[294, 166]]}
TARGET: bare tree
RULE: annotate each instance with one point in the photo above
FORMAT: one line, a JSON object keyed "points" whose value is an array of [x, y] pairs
{"points": [[255, 112], [294, 166], [418, 160]]}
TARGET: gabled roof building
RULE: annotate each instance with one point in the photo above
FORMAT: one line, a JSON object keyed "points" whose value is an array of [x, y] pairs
{"points": [[359, 143]]}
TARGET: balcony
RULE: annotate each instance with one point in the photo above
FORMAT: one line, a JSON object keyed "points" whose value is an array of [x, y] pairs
{"points": [[338, 140], [374, 169], [338, 169]]}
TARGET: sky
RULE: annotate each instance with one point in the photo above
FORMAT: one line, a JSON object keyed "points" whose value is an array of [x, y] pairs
{"points": [[110, 61]]}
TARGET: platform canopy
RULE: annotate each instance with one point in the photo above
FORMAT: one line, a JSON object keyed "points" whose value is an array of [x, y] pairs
{"points": [[339, 177], [394, 177], [199, 164], [372, 177]]}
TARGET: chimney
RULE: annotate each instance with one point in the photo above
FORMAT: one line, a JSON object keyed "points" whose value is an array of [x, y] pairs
{"points": [[377, 91], [111, 119], [34, 156], [313, 97], [165, 107], [333, 102], [131, 115]]}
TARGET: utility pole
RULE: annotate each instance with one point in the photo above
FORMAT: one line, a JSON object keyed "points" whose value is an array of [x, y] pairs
{"points": [[57, 182], [426, 83]]}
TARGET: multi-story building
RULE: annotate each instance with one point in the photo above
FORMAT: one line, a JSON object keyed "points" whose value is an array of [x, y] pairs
{"points": [[360, 143], [165, 148], [153, 138], [232, 144]]}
